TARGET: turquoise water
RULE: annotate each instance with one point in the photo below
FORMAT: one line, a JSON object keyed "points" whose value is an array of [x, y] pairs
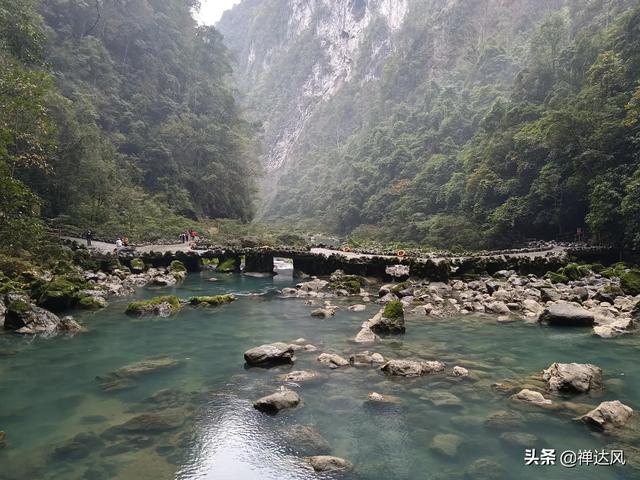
{"points": [[49, 394]]}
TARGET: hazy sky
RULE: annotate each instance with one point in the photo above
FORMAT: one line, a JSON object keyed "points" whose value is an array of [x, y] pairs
{"points": [[211, 10]]}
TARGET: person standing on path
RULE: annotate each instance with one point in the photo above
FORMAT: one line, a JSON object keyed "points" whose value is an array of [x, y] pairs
{"points": [[88, 236]]}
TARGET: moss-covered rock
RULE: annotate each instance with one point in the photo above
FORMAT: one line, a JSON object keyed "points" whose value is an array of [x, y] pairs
{"points": [[162, 306], [393, 310], [228, 265], [19, 306], [92, 303], [399, 287], [630, 282], [574, 271], [211, 301], [58, 294], [137, 265]]}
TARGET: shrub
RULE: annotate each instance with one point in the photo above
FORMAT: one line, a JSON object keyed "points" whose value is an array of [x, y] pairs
{"points": [[393, 310]]}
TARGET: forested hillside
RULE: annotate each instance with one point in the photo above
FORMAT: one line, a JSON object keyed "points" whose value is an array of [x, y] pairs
{"points": [[453, 123], [119, 117]]}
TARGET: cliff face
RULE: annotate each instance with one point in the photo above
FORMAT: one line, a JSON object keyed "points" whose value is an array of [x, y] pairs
{"points": [[304, 57]]}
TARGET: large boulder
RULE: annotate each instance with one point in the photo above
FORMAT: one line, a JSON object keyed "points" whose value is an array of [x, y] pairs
{"points": [[411, 368], [59, 294], [326, 463], [608, 415], [269, 354], [278, 401], [566, 314], [572, 377], [22, 317]]}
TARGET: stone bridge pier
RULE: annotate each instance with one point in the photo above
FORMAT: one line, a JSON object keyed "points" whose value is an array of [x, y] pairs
{"points": [[258, 262]]}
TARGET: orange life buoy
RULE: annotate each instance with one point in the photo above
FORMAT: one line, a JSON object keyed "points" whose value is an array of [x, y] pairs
{"points": [[401, 253]]}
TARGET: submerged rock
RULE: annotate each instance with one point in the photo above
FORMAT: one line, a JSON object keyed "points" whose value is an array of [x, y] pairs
{"points": [[278, 401], [567, 314], [519, 439], [572, 377], [446, 444], [442, 398], [80, 446], [411, 368], [608, 415], [299, 376], [484, 469], [269, 354], [504, 420], [122, 377], [307, 439], [530, 396], [150, 423], [326, 463]]}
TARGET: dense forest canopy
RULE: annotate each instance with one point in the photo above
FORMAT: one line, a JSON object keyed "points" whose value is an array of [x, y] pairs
{"points": [[485, 124], [117, 116]]}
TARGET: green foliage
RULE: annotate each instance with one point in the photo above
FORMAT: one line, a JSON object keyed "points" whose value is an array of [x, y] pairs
{"points": [[630, 282], [130, 128], [228, 265], [177, 266], [137, 265], [211, 301], [529, 130], [556, 277], [141, 306], [19, 306], [393, 310]]}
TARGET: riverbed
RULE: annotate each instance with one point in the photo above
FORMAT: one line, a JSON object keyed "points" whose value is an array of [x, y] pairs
{"points": [[60, 423]]}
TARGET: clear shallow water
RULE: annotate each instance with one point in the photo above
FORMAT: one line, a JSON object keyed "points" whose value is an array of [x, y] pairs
{"points": [[49, 395]]}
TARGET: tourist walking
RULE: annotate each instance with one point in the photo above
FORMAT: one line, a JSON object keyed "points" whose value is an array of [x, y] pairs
{"points": [[89, 237]]}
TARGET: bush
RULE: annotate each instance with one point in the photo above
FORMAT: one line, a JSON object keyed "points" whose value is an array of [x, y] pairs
{"points": [[557, 277], [393, 310], [630, 282]]}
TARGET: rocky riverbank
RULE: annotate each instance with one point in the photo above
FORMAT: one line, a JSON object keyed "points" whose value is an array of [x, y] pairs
{"points": [[606, 303]]}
